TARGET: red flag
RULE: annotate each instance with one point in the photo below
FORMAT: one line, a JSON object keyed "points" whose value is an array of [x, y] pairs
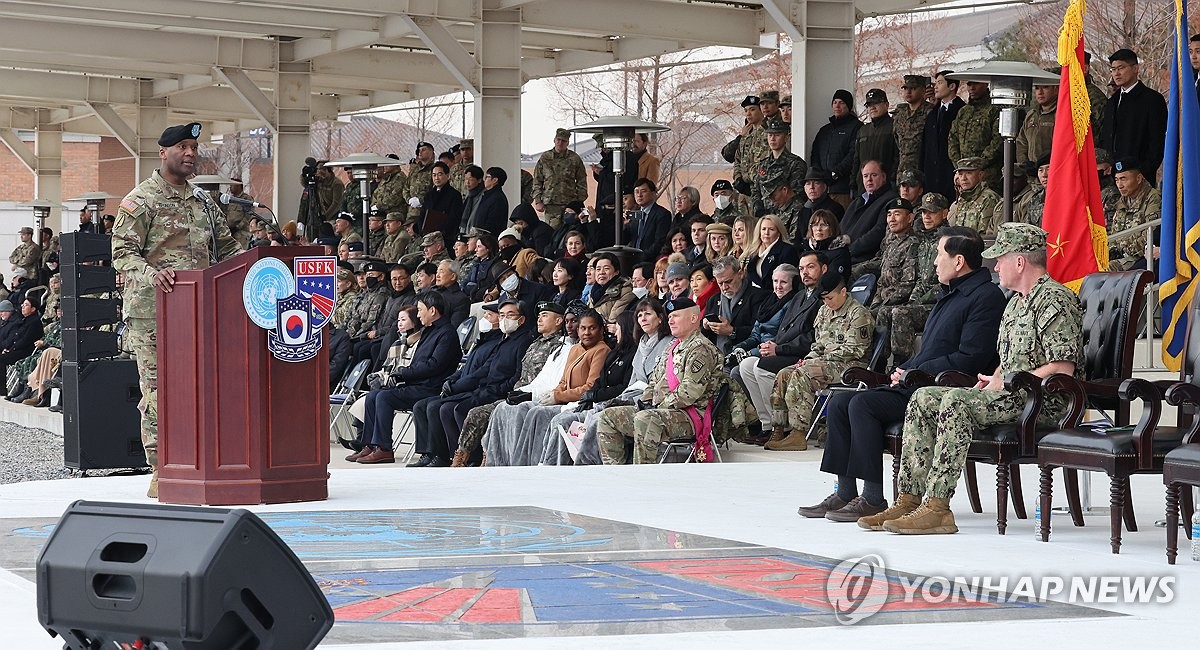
{"points": [[1076, 241]]}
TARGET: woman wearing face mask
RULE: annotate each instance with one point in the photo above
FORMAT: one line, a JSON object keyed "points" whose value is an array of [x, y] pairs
{"points": [[614, 380], [516, 434], [720, 241], [568, 281], [785, 283], [399, 355], [768, 249], [825, 234], [741, 226], [49, 269]]}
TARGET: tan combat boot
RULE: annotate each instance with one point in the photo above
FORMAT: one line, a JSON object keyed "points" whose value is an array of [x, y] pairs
{"points": [[932, 518], [152, 492], [795, 441], [778, 433], [460, 458], [905, 503]]}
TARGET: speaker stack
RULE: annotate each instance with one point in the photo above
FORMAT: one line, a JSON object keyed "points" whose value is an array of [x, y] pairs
{"points": [[101, 423]]}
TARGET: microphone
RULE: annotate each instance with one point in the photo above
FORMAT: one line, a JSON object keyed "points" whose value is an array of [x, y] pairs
{"points": [[202, 194], [227, 198]]}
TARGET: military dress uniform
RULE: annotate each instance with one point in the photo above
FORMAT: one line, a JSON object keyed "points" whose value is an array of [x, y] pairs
{"points": [[559, 179], [842, 339], [696, 362], [28, 256], [976, 208], [1142, 206], [1044, 326], [975, 133], [159, 226]]}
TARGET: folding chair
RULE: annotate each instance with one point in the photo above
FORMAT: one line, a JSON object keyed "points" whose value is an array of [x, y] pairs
{"points": [[348, 390], [398, 437], [687, 444], [863, 288], [466, 337]]}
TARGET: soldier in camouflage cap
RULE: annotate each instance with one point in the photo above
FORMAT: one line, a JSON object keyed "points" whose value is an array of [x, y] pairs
{"points": [[899, 263], [785, 109], [909, 121], [781, 190], [911, 185], [466, 158], [768, 100], [559, 178], [420, 178], [1030, 204], [396, 242], [908, 320], [1041, 332], [27, 255], [780, 165], [161, 227], [976, 204]]}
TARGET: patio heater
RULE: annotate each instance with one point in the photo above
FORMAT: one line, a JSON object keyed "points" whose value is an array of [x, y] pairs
{"points": [[361, 167], [41, 212]]}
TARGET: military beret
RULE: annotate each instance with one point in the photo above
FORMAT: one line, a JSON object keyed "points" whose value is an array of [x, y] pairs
{"points": [[173, 135], [375, 213], [1103, 156], [900, 204], [1126, 165], [875, 96], [911, 178], [423, 143], [750, 100], [108, 217], [327, 241], [719, 227], [1044, 160], [786, 100], [769, 96], [933, 202], [678, 303], [1014, 237], [677, 270], [720, 185], [915, 81], [345, 266], [547, 305], [431, 239], [829, 283], [975, 163], [395, 216], [354, 246], [815, 174], [493, 307], [777, 126], [454, 149], [376, 265], [562, 134], [348, 216]]}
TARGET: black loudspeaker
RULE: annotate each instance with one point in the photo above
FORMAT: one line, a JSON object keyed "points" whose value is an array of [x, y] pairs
{"points": [[79, 313], [101, 423], [175, 578], [80, 247], [90, 345], [81, 280]]}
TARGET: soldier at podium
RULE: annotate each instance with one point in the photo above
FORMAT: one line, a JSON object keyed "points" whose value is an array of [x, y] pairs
{"points": [[163, 226]]}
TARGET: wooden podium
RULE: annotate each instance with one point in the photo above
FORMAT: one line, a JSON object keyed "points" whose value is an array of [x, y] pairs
{"points": [[236, 426]]}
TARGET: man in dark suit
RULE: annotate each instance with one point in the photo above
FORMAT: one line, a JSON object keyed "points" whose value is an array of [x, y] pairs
{"points": [[729, 315], [792, 342], [647, 227], [866, 218], [1134, 124], [935, 150], [960, 334]]}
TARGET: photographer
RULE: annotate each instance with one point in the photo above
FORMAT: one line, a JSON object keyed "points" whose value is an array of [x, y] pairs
{"points": [[315, 177]]}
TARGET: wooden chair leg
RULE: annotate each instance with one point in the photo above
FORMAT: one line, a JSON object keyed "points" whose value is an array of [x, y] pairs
{"points": [[1173, 522], [1045, 494], [895, 477], [972, 487], [1127, 512], [1071, 484], [1116, 505], [1001, 497], [1014, 488], [1187, 507]]}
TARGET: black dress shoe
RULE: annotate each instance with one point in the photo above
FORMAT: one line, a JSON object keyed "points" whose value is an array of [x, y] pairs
{"points": [[424, 461], [22, 396], [438, 461], [57, 408]]}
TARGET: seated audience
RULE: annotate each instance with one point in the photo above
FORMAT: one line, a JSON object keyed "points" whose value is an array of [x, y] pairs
{"points": [[825, 235], [702, 284], [865, 221], [719, 241], [458, 304], [729, 315], [612, 293], [768, 248], [568, 281], [785, 284]]}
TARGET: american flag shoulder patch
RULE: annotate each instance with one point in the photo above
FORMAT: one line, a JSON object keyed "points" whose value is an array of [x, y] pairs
{"points": [[131, 205]]}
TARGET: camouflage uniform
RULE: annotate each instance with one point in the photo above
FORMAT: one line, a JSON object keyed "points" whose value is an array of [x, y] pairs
{"points": [[976, 208], [790, 215], [476, 422], [696, 362], [909, 126], [344, 307], [395, 246], [908, 320], [729, 214], [352, 201], [420, 179], [975, 132], [1029, 205], [329, 203], [1037, 132], [558, 179], [366, 311], [788, 166], [1045, 326], [842, 339], [899, 268], [526, 187], [1145, 205], [458, 176], [751, 149], [239, 220], [1098, 98], [158, 227], [375, 242], [391, 195], [1109, 195], [28, 256]]}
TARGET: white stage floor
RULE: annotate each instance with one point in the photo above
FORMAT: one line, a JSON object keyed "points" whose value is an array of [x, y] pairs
{"points": [[750, 502]]}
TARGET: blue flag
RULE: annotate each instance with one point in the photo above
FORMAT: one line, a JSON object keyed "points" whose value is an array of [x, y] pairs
{"points": [[1179, 261]]}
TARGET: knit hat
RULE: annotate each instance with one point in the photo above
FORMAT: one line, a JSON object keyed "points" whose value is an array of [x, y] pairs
{"points": [[845, 96]]}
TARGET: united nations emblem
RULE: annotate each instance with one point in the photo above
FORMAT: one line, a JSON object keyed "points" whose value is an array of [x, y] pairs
{"points": [[295, 316]]}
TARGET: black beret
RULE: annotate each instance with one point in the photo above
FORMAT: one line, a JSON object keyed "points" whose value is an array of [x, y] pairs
{"points": [[547, 305], [173, 135], [343, 264], [373, 265], [1126, 165], [678, 303], [751, 100], [721, 184], [830, 283], [900, 204], [354, 246]]}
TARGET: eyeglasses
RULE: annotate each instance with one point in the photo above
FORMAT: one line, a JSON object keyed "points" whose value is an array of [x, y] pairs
{"points": [[1119, 68]]}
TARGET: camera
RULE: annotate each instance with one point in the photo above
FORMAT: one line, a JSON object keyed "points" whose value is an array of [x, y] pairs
{"points": [[309, 172]]}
